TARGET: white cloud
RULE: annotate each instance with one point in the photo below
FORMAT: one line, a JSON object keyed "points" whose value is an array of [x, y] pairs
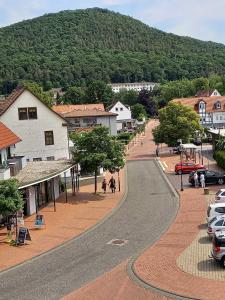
{"points": [[203, 19]]}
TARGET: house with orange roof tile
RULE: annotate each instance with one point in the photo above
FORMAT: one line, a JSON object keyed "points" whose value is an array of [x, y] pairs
{"points": [[8, 141], [211, 109], [84, 117]]}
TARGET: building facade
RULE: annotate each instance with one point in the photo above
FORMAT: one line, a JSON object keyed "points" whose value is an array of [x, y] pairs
{"points": [[132, 86], [211, 109], [123, 119], [87, 116], [8, 141], [43, 132]]}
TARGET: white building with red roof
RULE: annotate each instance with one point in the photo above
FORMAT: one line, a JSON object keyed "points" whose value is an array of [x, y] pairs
{"points": [[43, 132], [8, 141]]}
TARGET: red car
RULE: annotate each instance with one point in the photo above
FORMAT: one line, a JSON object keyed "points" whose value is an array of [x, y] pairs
{"points": [[187, 167]]}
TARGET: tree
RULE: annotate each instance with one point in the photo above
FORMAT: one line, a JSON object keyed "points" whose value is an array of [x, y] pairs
{"points": [[97, 149], [99, 92], [74, 95], [126, 97], [176, 122], [201, 84], [11, 199], [37, 90], [137, 111], [146, 98]]}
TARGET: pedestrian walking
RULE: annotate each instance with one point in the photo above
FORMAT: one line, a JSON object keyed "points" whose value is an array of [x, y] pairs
{"points": [[196, 179], [202, 180], [112, 184], [104, 184]]}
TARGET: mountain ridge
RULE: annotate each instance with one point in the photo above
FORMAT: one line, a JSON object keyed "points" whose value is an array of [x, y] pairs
{"points": [[78, 46]]}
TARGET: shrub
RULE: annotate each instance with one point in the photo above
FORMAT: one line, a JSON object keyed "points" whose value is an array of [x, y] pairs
{"points": [[219, 156]]}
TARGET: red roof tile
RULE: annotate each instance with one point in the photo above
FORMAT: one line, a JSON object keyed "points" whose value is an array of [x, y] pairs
{"points": [[62, 109], [210, 102], [5, 104], [7, 137]]}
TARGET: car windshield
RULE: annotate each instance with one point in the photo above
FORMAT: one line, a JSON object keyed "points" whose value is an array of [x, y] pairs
{"points": [[218, 192]]}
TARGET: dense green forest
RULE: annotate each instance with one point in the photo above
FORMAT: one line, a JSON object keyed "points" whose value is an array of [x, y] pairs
{"points": [[76, 47]]}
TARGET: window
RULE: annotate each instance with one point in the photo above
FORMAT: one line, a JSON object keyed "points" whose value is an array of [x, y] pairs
{"points": [[219, 223], [37, 159], [32, 113], [220, 210], [51, 158], [218, 105], [49, 138], [22, 113], [26, 113], [117, 109], [121, 108]]}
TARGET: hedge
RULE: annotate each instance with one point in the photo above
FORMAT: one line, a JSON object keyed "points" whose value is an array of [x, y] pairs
{"points": [[219, 157]]}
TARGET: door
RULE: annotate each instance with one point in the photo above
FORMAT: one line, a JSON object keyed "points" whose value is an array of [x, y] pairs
{"points": [[210, 177]]}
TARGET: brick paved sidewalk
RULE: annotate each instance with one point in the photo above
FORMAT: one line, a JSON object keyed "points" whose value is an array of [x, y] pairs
{"points": [[114, 285], [158, 265], [70, 219]]}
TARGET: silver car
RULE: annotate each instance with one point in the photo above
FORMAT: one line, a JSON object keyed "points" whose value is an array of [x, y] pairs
{"points": [[218, 248], [215, 224]]}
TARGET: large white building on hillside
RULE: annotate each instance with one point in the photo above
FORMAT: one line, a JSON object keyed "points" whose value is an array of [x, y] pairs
{"points": [[132, 86]]}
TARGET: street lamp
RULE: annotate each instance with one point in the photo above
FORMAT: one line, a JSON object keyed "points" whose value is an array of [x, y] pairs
{"points": [[181, 173]]}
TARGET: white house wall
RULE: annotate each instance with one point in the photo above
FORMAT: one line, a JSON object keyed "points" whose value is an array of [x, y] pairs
{"points": [[110, 122], [123, 113], [56, 187], [31, 205], [31, 132]]}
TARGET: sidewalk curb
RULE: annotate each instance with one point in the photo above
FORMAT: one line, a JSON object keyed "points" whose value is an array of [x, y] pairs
{"points": [[108, 216], [130, 266], [161, 169]]}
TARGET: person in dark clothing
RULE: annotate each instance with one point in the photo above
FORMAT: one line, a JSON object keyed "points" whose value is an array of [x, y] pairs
{"points": [[112, 184], [104, 184]]}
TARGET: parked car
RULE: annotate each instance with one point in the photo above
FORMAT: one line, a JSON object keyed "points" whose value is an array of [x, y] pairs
{"points": [[215, 209], [211, 177], [215, 224], [197, 142], [218, 247], [187, 167], [220, 196]]}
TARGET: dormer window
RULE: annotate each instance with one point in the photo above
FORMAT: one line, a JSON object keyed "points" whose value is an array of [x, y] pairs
{"points": [[218, 105], [201, 105]]}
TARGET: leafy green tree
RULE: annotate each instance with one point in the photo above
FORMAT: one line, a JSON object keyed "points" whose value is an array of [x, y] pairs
{"points": [[201, 84], [99, 92], [176, 122], [11, 199], [126, 97], [74, 95], [137, 110], [98, 149], [36, 89], [147, 99]]}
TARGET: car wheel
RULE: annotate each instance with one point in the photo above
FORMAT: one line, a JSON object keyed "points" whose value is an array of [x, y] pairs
{"points": [[179, 172], [220, 181], [222, 262]]}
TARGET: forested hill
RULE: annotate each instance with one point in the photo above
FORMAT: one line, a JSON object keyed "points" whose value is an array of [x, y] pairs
{"points": [[82, 45]]}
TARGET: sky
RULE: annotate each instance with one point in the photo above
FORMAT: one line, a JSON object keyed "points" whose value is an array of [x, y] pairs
{"points": [[201, 19]]}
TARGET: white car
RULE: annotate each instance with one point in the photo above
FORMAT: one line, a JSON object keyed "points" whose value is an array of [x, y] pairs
{"points": [[220, 196], [217, 223], [215, 209]]}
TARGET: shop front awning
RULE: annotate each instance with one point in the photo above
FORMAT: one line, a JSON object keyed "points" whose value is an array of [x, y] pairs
{"points": [[39, 171]]}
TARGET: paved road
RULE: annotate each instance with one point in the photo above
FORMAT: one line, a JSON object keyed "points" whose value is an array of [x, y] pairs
{"points": [[146, 213]]}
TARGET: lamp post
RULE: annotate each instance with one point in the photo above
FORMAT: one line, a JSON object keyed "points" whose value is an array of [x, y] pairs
{"points": [[181, 173]]}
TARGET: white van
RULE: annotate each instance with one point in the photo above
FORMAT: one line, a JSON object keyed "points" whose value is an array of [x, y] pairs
{"points": [[215, 209]]}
